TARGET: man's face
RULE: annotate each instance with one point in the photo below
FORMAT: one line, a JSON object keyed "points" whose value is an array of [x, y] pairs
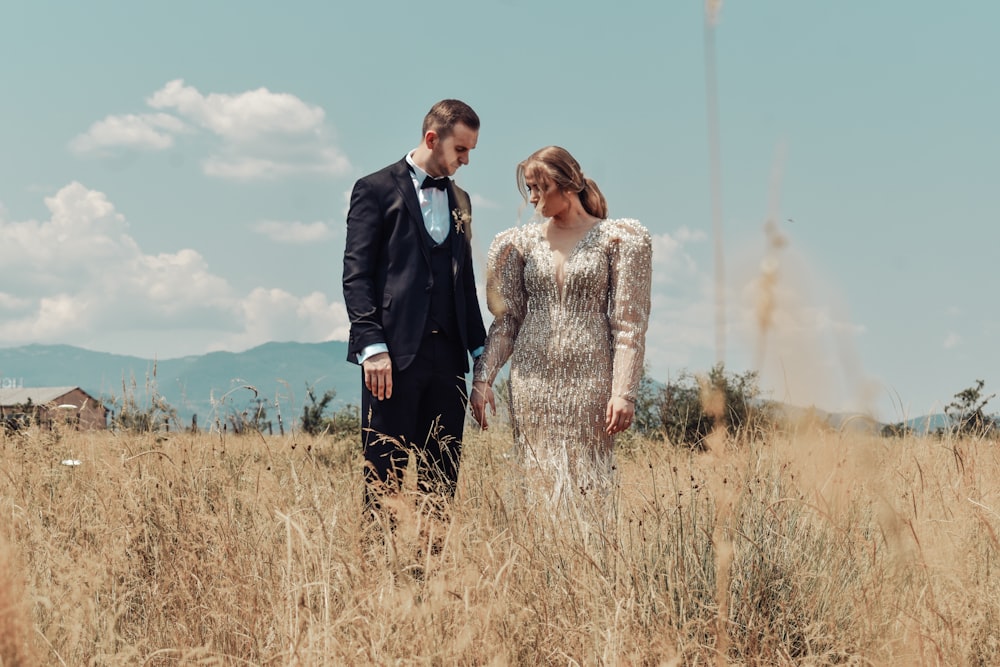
{"points": [[450, 153]]}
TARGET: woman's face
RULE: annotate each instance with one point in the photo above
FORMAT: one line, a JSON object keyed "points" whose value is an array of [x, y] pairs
{"points": [[544, 195]]}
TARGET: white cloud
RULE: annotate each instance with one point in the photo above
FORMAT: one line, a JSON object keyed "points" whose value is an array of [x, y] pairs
{"points": [[952, 340], [245, 167], [153, 131], [688, 235], [83, 224], [681, 333], [254, 135], [11, 302], [174, 283], [479, 201], [779, 319], [293, 232], [276, 315], [242, 117], [59, 313], [671, 262], [346, 198], [80, 278]]}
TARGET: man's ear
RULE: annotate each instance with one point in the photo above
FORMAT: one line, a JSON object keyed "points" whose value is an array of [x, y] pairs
{"points": [[430, 138]]}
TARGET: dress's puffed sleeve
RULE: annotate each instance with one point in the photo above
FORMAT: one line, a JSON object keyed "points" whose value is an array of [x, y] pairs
{"points": [[507, 300], [631, 258]]}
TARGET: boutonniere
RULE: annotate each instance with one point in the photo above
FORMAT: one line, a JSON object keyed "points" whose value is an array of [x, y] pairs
{"points": [[463, 219]]}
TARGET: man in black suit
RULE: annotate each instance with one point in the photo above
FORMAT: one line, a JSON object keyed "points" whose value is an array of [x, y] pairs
{"points": [[411, 298]]}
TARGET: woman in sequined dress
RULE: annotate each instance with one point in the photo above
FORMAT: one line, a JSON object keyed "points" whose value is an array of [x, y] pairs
{"points": [[570, 296]]}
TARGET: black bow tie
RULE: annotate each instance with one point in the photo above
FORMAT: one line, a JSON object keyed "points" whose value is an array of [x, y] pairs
{"points": [[439, 183]]}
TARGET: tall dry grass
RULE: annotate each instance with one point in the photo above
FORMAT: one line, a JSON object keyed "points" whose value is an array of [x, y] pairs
{"points": [[811, 548]]}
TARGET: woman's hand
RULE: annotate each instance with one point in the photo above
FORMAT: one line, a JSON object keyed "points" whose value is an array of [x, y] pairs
{"points": [[482, 394], [619, 415]]}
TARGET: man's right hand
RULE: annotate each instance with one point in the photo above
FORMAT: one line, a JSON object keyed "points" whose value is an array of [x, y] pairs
{"points": [[378, 375]]}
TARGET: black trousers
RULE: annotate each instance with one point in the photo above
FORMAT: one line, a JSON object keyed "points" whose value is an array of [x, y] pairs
{"points": [[426, 416]]}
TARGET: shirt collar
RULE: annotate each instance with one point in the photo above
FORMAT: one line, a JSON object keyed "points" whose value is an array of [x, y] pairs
{"points": [[418, 174]]}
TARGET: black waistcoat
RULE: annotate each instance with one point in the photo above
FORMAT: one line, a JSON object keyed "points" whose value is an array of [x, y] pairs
{"points": [[442, 316]]}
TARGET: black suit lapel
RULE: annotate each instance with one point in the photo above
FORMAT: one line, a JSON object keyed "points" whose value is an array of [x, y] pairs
{"points": [[404, 184], [456, 233]]}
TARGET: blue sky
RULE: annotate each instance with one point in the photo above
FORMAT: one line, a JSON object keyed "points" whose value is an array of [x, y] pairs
{"points": [[174, 176]]}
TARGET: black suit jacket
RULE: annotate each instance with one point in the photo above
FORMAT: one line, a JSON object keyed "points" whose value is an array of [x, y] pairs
{"points": [[387, 268]]}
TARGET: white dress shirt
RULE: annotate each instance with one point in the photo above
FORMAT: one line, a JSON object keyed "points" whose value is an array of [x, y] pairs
{"points": [[433, 203]]}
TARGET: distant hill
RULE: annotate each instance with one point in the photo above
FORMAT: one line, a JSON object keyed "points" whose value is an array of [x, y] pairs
{"points": [[215, 385], [929, 423], [208, 385], [923, 425], [843, 421], [859, 422]]}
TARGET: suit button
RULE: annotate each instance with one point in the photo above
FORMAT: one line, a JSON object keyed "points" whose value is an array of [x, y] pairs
{"points": [[429, 287]]}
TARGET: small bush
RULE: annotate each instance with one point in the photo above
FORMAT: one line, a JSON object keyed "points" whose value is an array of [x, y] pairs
{"points": [[691, 407], [967, 413], [344, 423]]}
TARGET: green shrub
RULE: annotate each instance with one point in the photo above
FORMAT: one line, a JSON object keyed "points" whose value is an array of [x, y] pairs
{"points": [[692, 406]]}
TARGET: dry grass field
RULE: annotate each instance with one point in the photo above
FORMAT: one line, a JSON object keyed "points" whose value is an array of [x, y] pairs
{"points": [[811, 548]]}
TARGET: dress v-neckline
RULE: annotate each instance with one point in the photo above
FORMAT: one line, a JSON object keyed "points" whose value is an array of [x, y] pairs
{"points": [[561, 286]]}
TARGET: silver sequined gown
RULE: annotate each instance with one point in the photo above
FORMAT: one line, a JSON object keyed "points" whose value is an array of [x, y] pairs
{"points": [[569, 352]]}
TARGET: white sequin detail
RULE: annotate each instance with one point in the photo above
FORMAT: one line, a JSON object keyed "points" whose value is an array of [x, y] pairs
{"points": [[569, 352]]}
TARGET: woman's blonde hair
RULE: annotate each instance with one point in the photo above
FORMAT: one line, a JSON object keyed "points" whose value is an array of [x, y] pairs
{"points": [[555, 165]]}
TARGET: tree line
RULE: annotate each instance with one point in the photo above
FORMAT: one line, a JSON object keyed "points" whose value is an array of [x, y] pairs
{"points": [[684, 411], [687, 410]]}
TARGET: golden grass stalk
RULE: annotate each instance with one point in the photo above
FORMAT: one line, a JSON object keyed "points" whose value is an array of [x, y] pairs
{"points": [[811, 548]]}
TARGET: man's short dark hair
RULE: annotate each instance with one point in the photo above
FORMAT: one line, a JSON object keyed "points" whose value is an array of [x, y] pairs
{"points": [[446, 114]]}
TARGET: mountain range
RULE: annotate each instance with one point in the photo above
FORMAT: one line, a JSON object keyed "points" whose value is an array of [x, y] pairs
{"points": [[210, 386], [215, 385], [922, 425]]}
